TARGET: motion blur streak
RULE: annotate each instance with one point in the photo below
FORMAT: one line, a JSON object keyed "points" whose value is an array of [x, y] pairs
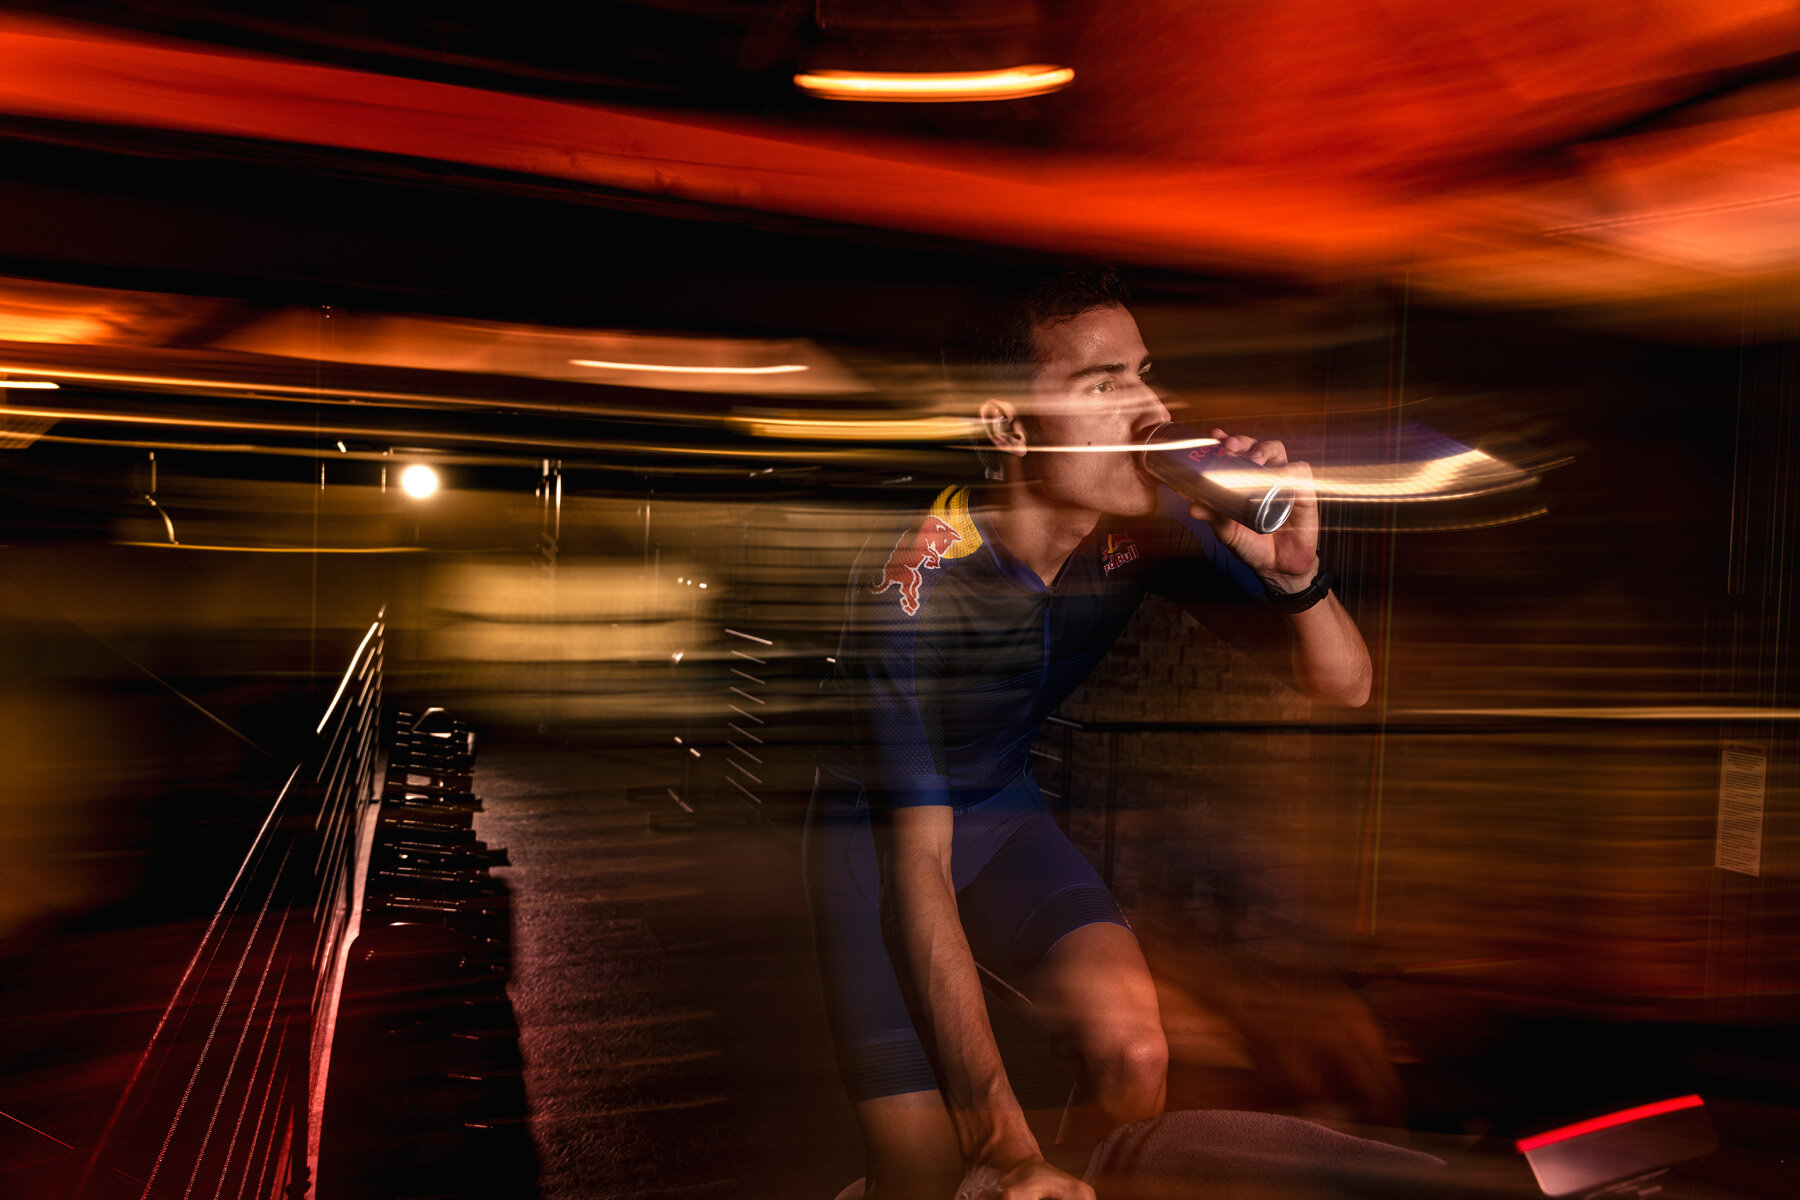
{"points": [[873, 429], [421, 342], [1436, 170], [1456, 477], [783, 369], [1686, 712], [325, 395], [1011, 83], [423, 435], [1125, 447]]}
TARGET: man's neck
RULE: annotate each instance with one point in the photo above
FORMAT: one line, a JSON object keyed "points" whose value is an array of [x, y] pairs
{"points": [[1037, 533]]}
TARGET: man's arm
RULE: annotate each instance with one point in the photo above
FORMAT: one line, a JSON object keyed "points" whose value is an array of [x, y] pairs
{"points": [[931, 957], [1329, 659]]}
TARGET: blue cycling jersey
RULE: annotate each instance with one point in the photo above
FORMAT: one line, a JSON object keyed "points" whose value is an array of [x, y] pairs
{"points": [[953, 651]]}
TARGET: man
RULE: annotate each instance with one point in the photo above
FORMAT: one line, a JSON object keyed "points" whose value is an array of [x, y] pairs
{"points": [[928, 845]]}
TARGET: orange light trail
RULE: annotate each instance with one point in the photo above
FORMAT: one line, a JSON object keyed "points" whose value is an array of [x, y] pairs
{"points": [[348, 396], [421, 436], [936, 87], [782, 369]]}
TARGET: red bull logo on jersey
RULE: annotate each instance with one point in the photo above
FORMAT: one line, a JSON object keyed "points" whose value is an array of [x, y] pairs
{"points": [[1119, 550], [918, 550]]}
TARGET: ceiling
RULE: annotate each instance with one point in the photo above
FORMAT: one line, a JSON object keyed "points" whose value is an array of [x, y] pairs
{"points": [[1638, 163]]}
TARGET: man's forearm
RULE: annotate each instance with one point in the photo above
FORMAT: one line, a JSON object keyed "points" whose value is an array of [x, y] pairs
{"points": [[937, 972], [1330, 660]]}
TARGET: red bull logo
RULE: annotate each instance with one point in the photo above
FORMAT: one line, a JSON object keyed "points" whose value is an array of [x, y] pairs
{"points": [[1119, 550], [919, 550]]}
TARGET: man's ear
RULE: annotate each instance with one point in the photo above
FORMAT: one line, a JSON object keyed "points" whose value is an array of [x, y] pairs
{"points": [[1004, 428]]}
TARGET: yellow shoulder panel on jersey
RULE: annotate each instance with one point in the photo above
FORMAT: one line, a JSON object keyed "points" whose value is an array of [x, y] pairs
{"points": [[952, 508]]}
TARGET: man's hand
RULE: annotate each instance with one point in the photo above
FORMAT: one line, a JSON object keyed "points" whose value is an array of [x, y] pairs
{"points": [[1327, 654], [1288, 559], [1033, 1179]]}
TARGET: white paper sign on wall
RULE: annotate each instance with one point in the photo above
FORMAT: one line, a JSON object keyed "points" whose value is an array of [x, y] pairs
{"points": [[1743, 780]]}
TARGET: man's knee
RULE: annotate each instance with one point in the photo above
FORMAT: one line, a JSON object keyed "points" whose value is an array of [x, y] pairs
{"points": [[1129, 1070]]}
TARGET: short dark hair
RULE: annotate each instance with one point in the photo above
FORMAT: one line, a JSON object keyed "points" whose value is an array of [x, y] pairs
{"points": [[991, 340], [992, 337]]}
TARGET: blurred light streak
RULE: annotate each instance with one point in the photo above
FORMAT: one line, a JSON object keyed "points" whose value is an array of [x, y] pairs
{"points": [[1191, 215], [928, 87], [1413, 526], [1687, 712], [1252, 160], [34, 1129], [871, 429], [38, 384], [781, 369], [341, 396], [282, 549], [1609, 1121], [685, 362], [481, 460], [423, 435], [355, 660], [1455, 477], [1125, 447]]}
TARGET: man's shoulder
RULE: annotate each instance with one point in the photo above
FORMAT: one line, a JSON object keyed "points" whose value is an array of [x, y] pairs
{"points": [[910, 551]]}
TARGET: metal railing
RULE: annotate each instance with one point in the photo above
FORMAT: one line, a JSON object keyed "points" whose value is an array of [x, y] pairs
{"points": [[222, 1102]]}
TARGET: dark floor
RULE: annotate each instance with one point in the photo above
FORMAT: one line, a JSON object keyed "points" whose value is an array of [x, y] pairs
{"points": [[670, 1024], [673, 1035]]}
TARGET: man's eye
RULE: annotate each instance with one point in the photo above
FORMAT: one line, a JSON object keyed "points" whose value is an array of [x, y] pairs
{"points": [[1103, 387]]}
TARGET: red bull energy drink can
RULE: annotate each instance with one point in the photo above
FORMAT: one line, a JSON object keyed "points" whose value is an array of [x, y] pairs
{"points": [[1229, 484]]}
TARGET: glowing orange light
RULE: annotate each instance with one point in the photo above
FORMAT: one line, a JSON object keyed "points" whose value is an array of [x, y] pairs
{"points": [[43, 385], [419, 481], [1009, 83], [781, 369], [941, 429]]}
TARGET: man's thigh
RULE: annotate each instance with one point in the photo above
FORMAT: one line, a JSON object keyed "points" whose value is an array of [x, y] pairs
{"points": [[1033, 890], [1094, 990], [1039, 915]]}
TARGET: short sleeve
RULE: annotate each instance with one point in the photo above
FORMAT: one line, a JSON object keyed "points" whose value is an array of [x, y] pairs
{"points": [[888, 674]]}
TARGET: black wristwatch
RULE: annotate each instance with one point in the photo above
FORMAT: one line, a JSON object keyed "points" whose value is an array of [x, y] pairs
{"points": [[1298, 602]]}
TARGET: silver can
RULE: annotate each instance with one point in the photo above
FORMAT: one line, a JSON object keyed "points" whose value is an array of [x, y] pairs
{"points": [[1229, 484]]}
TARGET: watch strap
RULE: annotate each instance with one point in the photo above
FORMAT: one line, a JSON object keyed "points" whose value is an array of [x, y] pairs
{"points": [[1298, 602]]}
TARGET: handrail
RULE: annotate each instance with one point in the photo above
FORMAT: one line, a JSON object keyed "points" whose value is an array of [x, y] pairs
{"points": [[249, 1022], [1450, 720]]}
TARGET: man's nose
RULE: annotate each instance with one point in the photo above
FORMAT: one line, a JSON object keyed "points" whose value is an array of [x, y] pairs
{"points": [[1152, 412]]}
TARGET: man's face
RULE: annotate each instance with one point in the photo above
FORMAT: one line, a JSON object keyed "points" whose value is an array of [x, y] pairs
{"points": [[1089, 389]]}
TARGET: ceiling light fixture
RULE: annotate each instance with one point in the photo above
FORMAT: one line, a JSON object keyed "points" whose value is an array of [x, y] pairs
{"points": [[419, 481], [936, 87], [782, 369]]}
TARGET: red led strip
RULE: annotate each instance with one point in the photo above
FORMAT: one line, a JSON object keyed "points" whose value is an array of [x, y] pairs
{"points": [[1623, 1117]]}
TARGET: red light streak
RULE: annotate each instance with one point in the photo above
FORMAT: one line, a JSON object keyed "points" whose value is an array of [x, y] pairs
{"points": [[1596, 1124]]}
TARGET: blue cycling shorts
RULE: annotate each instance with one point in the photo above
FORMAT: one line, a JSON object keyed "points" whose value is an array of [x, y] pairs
{"points": [[1021, 887]]}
